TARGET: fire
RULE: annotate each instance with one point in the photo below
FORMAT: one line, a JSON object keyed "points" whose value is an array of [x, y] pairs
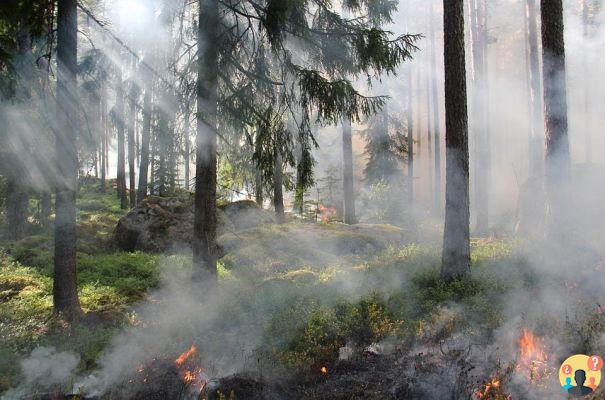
{"points": [[533, 359], [183, 357], [490, 388], [190, 373], [327, 213], [324, 370]]}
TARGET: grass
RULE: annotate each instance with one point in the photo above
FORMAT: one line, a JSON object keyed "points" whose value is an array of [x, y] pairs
{"points": [[311, 289]]}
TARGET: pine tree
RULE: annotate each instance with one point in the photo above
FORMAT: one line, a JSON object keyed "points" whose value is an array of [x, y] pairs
{"points": [[557, 160], [534, 79], [456, 261], [348, 178], [65, 292], [204, 228]]}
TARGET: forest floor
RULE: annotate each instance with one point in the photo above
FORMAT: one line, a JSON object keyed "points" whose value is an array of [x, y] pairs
{"points": [[302, 316]]}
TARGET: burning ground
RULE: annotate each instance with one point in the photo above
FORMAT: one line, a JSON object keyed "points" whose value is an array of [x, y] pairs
{"points": [[298, 314]]}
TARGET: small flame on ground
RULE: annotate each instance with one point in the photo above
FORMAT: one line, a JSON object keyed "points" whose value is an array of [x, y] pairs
{"points": [[324, 370], [183, 357], [327, 213], [491, 386], [533, 361]]}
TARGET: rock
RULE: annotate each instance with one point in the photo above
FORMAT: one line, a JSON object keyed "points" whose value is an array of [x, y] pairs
{"points": [[246, 214], [164, 224]]}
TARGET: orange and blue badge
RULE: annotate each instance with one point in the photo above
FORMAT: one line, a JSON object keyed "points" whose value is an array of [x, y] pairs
{"points": [[580, 375]]}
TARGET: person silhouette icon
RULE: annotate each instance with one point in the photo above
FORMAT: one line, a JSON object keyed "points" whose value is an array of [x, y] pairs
{"points": [[568, 384], [580, 390], [592, 384]]}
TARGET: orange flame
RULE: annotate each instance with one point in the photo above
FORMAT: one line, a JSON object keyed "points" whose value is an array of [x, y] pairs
{"points": [[327, 213], [183, 357], [324, 370], [493, 384], [534, 361]]}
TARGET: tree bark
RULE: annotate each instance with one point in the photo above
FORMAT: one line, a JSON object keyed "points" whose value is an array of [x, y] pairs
{"points": [[145, 137], [187, 151], [204, 228], [121, 170], [131, 144], [348, 178], [557, 160], [299, 195], [45, 208], [436, 118], [65, 291], [410, 136], [456, 260], [17, 202], [536, 158], [278, 195], [258, 187]]}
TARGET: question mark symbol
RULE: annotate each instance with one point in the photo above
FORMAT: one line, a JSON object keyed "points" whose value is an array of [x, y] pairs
{"points": [[595, 363], [567, 369]]}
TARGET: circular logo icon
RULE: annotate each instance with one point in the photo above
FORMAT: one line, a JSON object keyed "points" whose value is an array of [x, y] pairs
{"points": [[580, 375]]}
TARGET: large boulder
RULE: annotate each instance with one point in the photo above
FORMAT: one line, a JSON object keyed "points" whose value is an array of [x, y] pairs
{"points": [[165, 224]]}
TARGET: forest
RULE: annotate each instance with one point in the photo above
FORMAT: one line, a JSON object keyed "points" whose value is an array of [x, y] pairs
{"points": [[302, 199]]}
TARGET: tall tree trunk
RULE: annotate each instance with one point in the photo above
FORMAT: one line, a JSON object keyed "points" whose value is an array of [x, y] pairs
{"points": [[187, 160], [121, 170], [278, 194], [436, 118], [132, 98], [410, 136], [152, 158], [429, 124], [536, 159], [17, 202], [103, 102], [456, 261], [299, 194], [45, 208], [162, 145], [557, 160], [65, 290], [258, 187], [145, 137], [348, 178], [204, 228]]}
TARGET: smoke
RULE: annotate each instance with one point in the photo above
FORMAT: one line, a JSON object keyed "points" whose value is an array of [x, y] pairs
{"points": [[552, 287], [45, 369]]}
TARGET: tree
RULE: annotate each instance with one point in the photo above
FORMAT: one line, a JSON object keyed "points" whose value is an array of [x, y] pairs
{"points": [[204, 227], [132, 117], [145, 138], [436, 128], [65, 292], [456, 260], [410, 134], [348, 178], [557, 160], [534, 79], [284, 87], [119, 123], [278, 184]]}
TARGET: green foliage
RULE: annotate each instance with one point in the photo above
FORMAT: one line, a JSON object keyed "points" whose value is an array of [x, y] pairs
{"points": [[128, 274], [320, 331]]}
